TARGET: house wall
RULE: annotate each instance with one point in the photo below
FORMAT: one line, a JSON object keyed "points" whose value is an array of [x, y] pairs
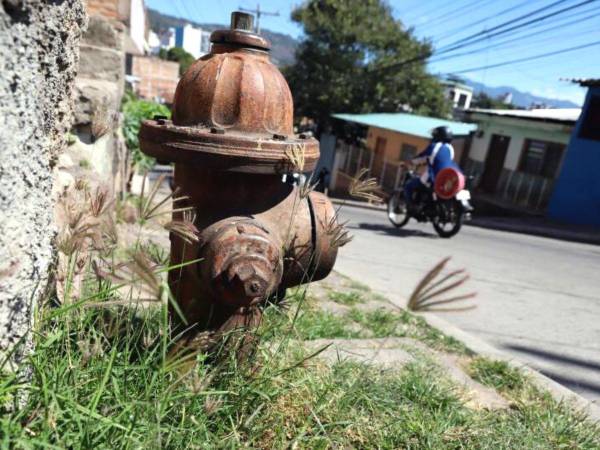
{"points": [[518, 130], [514, 188], [137, 24], [158, 78], [395, 140], [576, 196], [189, 38], [110, 9]]}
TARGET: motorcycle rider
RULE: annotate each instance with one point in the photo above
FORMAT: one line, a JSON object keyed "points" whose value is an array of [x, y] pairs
{"points": [[438, 155]]}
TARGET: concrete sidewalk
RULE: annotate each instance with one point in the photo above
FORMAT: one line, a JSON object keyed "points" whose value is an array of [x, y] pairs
{"points": [[535, 226]]}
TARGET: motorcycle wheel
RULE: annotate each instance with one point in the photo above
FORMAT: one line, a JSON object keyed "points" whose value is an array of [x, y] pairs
{"points": [[449, 219], [397, 210]]}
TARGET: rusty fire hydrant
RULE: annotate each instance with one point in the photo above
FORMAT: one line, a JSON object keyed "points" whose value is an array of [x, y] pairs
{"points": [[231, 138]]}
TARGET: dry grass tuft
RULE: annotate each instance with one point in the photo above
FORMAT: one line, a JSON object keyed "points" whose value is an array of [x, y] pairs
{"points": [[185, 228], [337, 232], [365, 188], [295, 154], [151, 207], [140, 272], [425, 296]]}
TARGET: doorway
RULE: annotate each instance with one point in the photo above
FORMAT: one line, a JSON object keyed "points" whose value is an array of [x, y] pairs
{"points": [[494, 162]]}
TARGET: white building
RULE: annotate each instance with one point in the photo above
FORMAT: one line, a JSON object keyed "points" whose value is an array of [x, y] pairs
{"points": [[459, 94], [516, 155], [137, 24], [191, 40], [205, 46]]}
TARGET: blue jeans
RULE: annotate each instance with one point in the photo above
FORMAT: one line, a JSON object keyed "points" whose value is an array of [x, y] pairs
{"points": [[410, 188]]}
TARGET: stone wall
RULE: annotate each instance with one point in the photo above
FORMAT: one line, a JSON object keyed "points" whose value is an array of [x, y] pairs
{"points": [[99, 90], [38, 62]]}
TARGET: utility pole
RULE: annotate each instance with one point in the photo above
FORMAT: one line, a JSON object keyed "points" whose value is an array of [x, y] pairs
{"points": [[257, 12]]}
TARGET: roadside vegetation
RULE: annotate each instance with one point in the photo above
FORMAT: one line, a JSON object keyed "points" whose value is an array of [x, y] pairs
{"points": [[102, 377], [104, 372], [134, 112]]}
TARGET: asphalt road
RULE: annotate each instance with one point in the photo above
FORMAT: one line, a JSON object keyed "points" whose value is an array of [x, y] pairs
{"points": [[538, 298]]}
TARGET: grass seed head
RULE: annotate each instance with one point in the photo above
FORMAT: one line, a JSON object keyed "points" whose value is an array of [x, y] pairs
{"points": [[365, 188]]}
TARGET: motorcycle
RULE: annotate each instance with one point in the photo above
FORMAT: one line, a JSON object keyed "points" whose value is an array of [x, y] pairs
{"points": [[446, 206]]}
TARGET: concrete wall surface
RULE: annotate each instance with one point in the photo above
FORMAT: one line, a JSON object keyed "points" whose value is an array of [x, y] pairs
{"points": [[38, 61], [518, 130], [158, 78], [576, 196]]}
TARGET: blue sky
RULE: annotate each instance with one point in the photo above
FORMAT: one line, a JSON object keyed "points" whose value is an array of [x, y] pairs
{"points": [[446, 22]]}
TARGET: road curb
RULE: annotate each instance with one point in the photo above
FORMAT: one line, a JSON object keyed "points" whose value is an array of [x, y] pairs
{"points": [[558, 392], [478, 346], [562, 235]]}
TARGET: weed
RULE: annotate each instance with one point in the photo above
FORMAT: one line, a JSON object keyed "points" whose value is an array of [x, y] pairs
{"points": [[346, 298], [365, 188], [497, 374], [358, 286], [425, 296]]}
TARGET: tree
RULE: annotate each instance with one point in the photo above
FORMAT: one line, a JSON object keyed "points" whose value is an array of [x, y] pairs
{"points": [[179, 55], [340, 64]]}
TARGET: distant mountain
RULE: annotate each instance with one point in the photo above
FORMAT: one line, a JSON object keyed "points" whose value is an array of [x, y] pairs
{"points": [[520, 98], [283, 46]]}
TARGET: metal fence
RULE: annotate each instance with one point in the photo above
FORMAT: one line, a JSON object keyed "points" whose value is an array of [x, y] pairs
{"points": [[514, 187], [353, 158], [524, 189]]}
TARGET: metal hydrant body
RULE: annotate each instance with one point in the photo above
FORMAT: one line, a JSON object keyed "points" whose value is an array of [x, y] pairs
{"points": [[231, 138]]}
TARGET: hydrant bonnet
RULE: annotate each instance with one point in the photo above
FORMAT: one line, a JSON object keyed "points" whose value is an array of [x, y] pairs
{"points": [[232, 110]]}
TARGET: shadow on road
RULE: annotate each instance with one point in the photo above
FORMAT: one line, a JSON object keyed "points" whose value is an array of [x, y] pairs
{"points": [[388, 229], [551, 356], [570, 382]]}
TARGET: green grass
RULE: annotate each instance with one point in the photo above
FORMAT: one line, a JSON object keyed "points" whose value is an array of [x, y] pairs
{"points": [[346, 298], [383, 323], [497, 374], [103, 379]]}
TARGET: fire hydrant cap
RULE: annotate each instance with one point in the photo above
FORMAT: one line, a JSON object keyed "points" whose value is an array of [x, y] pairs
{"points": [[232, 110]]}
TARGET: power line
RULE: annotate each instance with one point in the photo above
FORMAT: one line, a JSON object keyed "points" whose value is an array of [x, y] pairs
{"points": [[185, 8], [461, 43], [457, 10], [196, 10], [458, 45], [529, 58], [258, 12], [179, 10], [429, 11], [479, 21], [508, 22], [520, 37]]}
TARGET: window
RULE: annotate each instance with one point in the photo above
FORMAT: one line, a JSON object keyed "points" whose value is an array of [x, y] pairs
{"points": [[541, 158], [590, 127], [407, 152], [462, 100]]}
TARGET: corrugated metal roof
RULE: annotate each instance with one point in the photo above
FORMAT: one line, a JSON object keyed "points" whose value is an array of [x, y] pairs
{"points": [[408, 123], [547, 114], [587, 82]]}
